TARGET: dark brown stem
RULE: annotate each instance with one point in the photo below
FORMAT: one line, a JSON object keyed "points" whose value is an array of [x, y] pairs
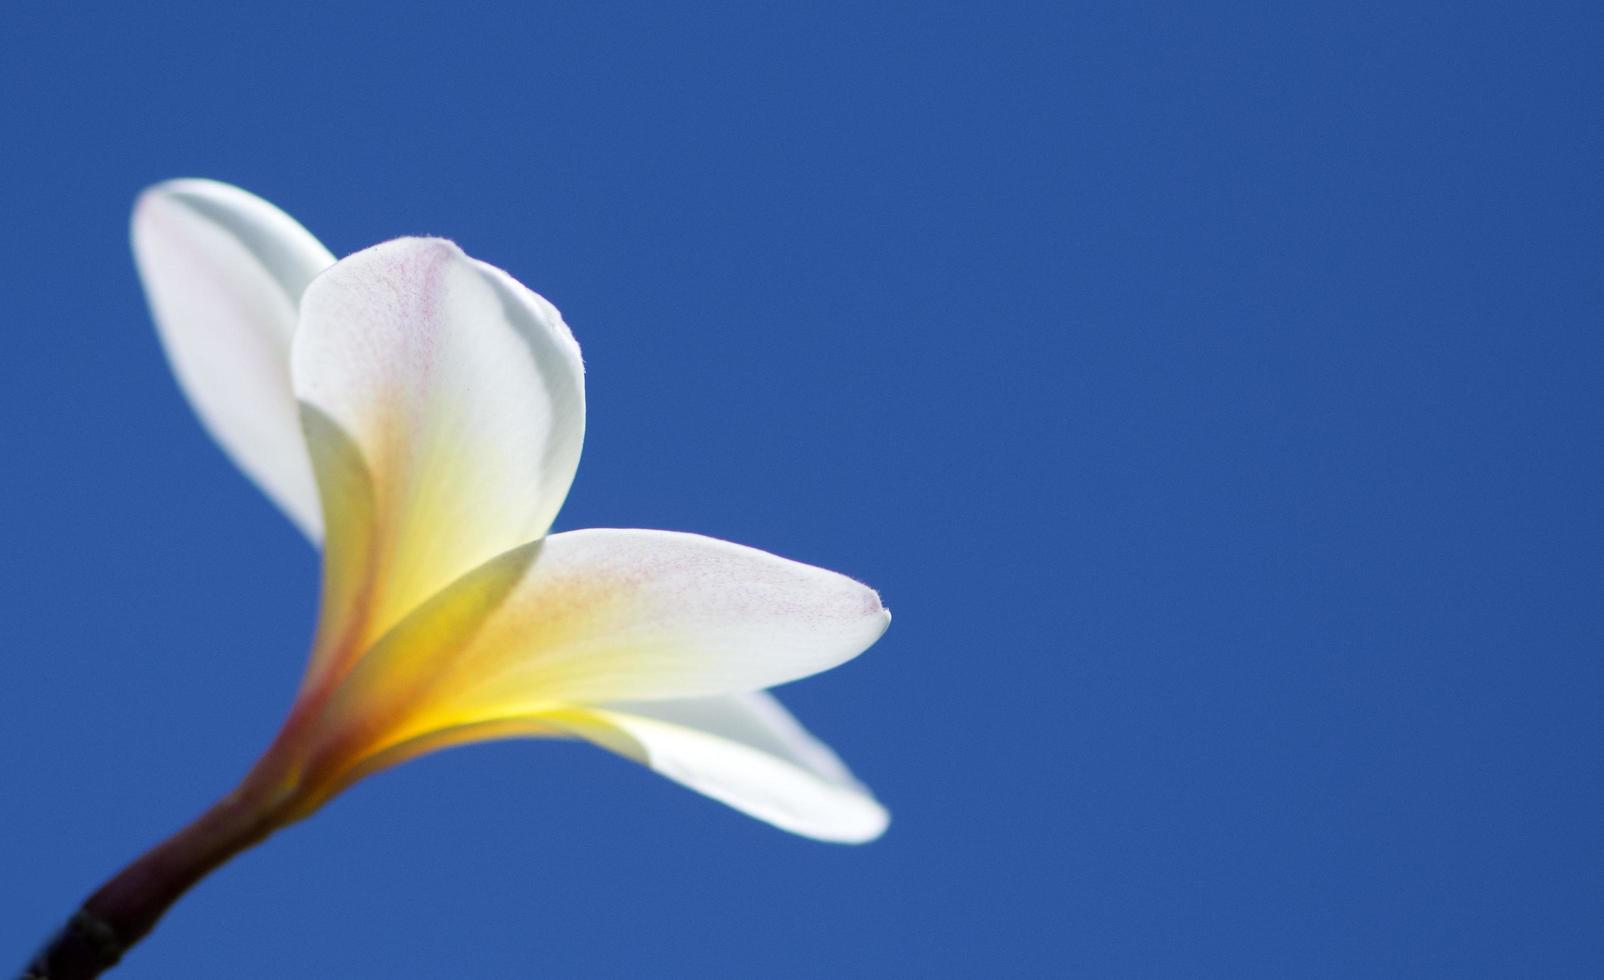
{"points": [[128, 906]]}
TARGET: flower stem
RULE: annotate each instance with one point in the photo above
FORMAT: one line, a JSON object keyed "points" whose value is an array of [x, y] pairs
{"points": [[128, 906]]}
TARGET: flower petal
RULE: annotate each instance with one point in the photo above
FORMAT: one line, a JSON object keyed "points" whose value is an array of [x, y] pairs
{"points": [[224, 271], [444, 404], [744, 750], [599, 616]]}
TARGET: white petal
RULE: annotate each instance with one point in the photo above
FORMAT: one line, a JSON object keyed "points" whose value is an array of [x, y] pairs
{"points": [[224, 271], [599, 616], [630, 615], [460, 394], [744, 750]]}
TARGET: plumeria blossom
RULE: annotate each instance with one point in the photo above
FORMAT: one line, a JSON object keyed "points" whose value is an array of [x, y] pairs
{"points": [[419, 414]]}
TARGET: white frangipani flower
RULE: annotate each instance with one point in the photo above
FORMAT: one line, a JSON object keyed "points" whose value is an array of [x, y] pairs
{"points": [[420, 415]]}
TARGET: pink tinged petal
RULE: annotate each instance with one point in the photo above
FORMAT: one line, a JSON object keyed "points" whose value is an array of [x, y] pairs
{"points": [[445, 409], [224, 272], [744, 750], [632, 615], [600, 616]]}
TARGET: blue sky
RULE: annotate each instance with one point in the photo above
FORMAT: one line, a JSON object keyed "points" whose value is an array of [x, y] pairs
{"points": [[1212, 391]]}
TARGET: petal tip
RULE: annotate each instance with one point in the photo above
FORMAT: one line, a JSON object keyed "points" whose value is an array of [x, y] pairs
{"points": [[868, 825], [432, 245], [153, 200], [177, 190], [875, 608]]}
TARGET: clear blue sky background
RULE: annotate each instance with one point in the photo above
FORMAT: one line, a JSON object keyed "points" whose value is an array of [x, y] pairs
{"points": [[1213, 391]]}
